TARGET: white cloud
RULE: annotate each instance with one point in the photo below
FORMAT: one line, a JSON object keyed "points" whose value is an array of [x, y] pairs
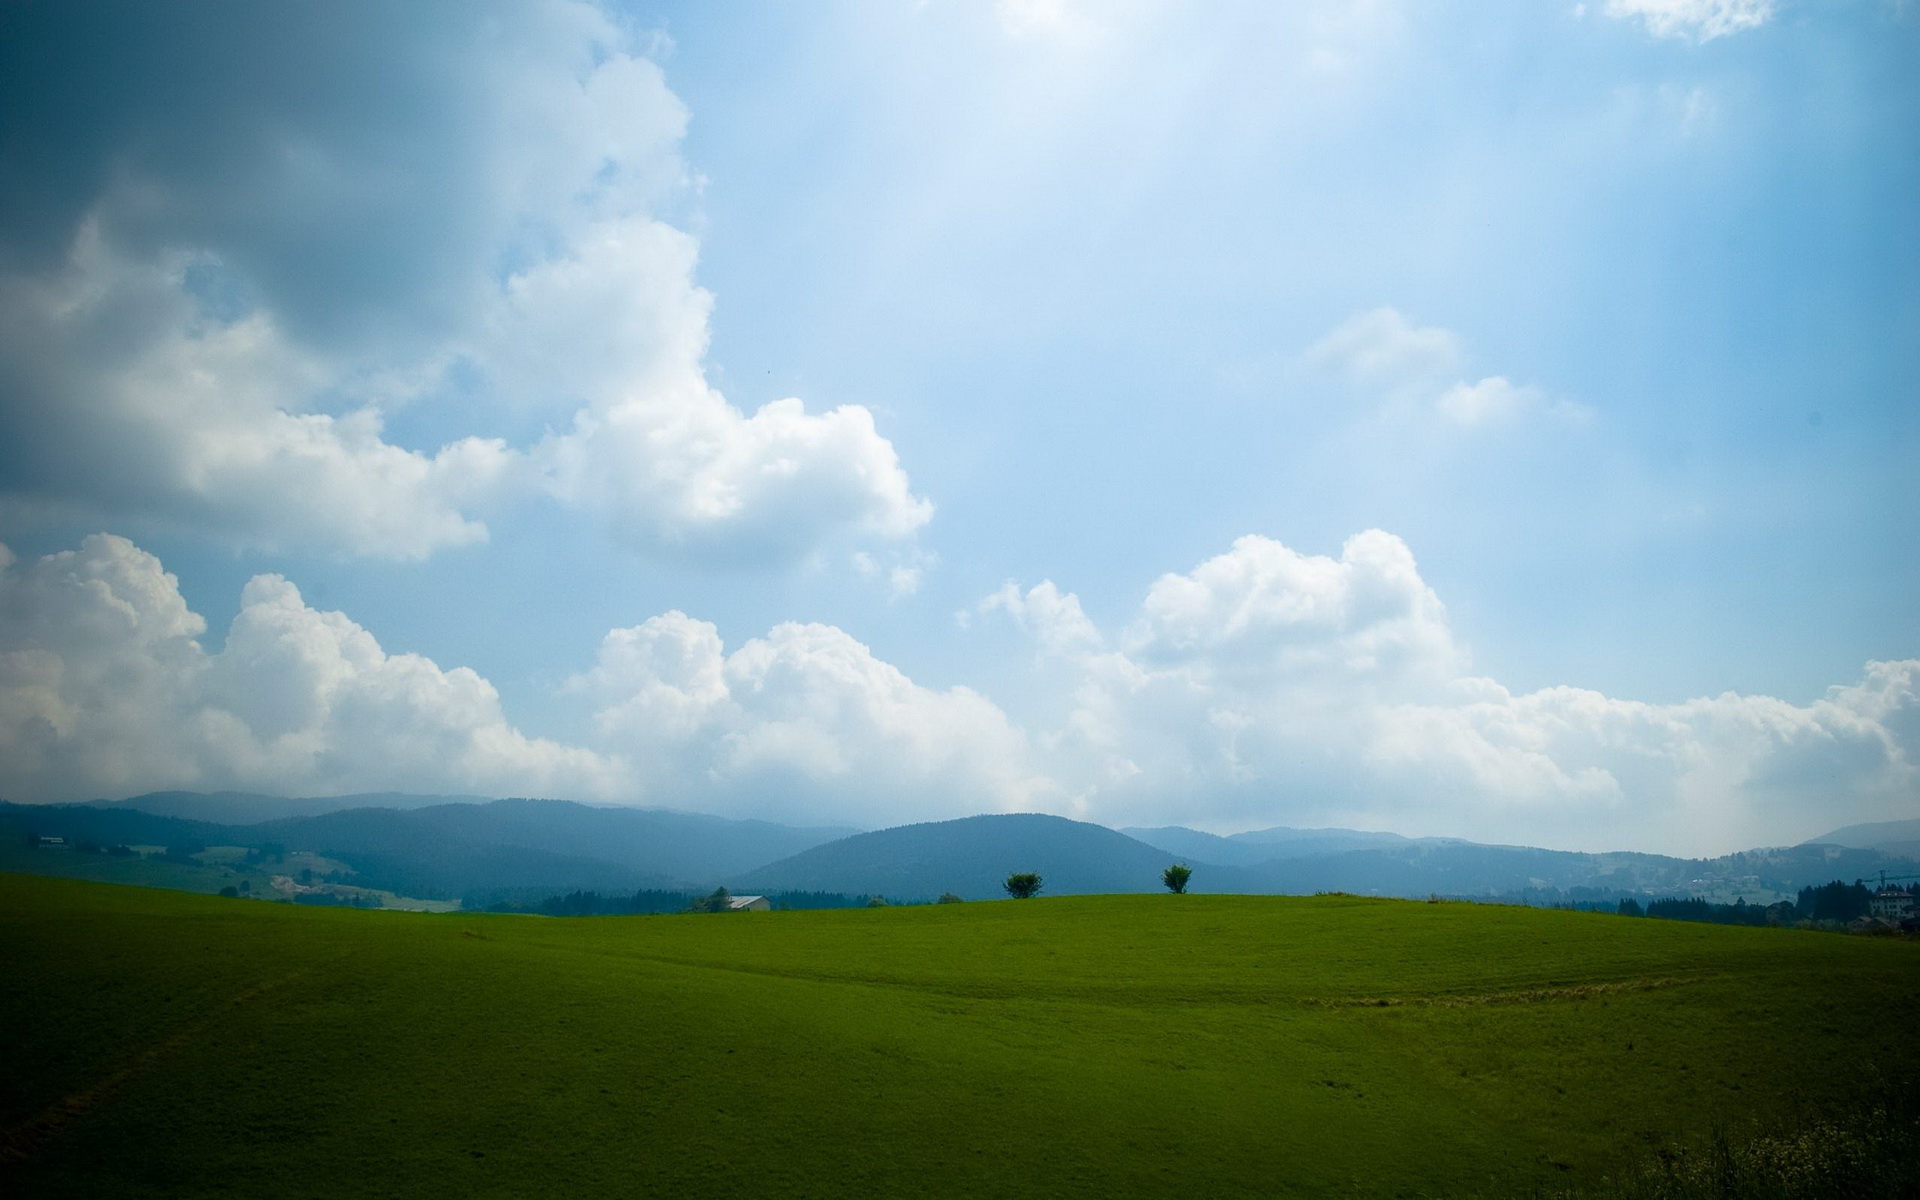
{"points": [[1268, 686], [105, 689], [485, 250], [803, 724], [1492, 399], [1383, 346], [1271, 613], [193, 417], [903, 574], [1264, 686], [1698, 20], [1383, 350], [1053, 617]]}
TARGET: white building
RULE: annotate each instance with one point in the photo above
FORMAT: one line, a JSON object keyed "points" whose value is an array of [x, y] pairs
{"points": [[1891, 904]]}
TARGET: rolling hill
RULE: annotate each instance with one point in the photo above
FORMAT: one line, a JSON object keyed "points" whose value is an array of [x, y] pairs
{"points": [[969, 857], [163, 1044]]}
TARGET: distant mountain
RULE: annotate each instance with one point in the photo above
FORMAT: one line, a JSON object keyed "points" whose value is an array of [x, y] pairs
{"points": [[970, 857], [451, 850], [1891, 837], [1265, 845], [1193, 846], [433, 848], [682, 847], [251, 808]]}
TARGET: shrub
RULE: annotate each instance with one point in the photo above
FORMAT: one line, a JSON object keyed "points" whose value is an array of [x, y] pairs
{"points": [[949, 898], [1175, 877]]}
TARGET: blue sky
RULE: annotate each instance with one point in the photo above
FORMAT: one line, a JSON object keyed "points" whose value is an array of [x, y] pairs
{"points": [[1490, 420]]}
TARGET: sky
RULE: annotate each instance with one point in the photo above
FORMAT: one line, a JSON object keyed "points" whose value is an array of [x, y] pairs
{"points": [[1490, 420]]}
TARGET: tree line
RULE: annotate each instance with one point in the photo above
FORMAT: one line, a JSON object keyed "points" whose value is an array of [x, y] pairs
{"points": [[1837, 902]]}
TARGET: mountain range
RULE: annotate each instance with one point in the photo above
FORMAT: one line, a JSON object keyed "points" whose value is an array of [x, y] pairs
{"points": [[470, 848]]}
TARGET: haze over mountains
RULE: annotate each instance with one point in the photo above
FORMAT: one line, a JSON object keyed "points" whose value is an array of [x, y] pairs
{"points": [[470, 848]]}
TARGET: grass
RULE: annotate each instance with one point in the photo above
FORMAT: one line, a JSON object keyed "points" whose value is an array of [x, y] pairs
{"points": [[167, 1044]]}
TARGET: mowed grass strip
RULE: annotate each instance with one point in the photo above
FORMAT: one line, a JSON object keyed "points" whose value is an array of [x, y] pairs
{"points": [[166, 1044]]}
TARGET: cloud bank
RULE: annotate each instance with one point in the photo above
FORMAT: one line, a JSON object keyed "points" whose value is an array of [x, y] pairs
{"points": [[1267, 685], [222, 286], [1263, 686]]}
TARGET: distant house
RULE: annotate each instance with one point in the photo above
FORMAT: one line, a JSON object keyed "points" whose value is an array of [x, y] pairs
{"points": [[1891, 904], [749, 904], [52, 843]]}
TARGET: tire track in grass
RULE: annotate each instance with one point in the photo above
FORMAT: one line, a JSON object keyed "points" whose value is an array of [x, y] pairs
{"points": [[1534, 995], [20, 1143]]}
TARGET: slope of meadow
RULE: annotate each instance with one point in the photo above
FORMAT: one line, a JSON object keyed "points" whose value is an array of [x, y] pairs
{"points": [[160, 1043]]}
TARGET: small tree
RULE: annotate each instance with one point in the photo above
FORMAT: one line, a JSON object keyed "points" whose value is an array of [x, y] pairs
{"points": [[1175, 877], [1022, 885], [949, 898], [718, 902]]}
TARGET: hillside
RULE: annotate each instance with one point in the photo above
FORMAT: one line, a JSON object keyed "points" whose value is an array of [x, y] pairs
{"points": [[969, 857], [451, 851], [1300, 862], [1102, 1046]]}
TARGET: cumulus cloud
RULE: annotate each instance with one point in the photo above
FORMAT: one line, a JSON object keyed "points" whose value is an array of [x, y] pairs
{"points": [[1263, 686], [1269, 686], [804, 723], [1696, 20], [105, 689], [219, 284], [1053, 617]]}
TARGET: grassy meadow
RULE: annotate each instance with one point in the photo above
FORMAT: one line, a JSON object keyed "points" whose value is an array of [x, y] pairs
{"points": [[160, 1043]]}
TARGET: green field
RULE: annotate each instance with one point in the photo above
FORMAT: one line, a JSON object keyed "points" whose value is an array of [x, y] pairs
{"points": [[159, 1043]]}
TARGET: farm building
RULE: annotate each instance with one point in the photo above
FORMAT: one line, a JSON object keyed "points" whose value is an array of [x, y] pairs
{"points": [[1891, 904], [749, 904]]}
